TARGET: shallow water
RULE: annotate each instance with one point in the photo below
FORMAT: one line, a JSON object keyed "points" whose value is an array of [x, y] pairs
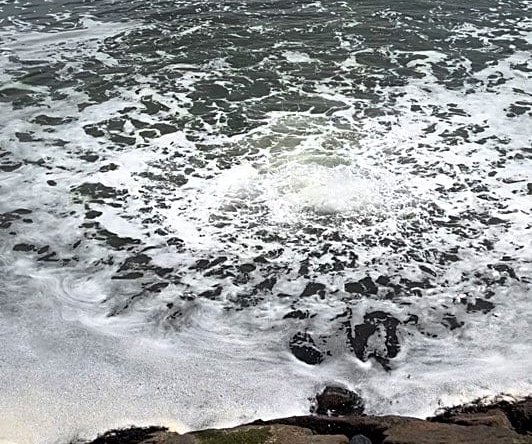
{"points": [[208, 210]]}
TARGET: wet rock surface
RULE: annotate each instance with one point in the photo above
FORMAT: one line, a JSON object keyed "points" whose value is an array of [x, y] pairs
{"points": [[359, 439], [504, 413], [303, 348], [375, 338], [501, 422], [334, 400]]}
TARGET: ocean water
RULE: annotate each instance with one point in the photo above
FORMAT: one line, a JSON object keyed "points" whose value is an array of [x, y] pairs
{"points": [[211, 209]]}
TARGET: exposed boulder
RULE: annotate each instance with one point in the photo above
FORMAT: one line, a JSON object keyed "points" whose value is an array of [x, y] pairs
{"points": [[363, 286], [376, 337], [334, 400], [304, 348], [313, 288]]}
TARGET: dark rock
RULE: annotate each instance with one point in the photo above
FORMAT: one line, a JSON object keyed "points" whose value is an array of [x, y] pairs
{"points": [[24, 247], [247, 268], [297, 314], [132, 275], [313, 288], [267, 284], [43, 119], [414, 286], [122, 140], [175, 241], [26, 137], [363, 286], [108, 167], [211, 294], [359, 439], [93, 214], [428, 270], [22, 211], [520, 415], [7, 218], [149, 134], [164, 128], [383, 280], [50, 257], [161, 271], [9, 167], [338, 401], [494, 221], [157, 287], [217, 261], [96, 192], [303, 348], [303, 268], [202, 264], [412, 319], [134, 435], [451, 322], [385, 347], [93, 130], [52, 183], [134, 262], [503, 268], [480, 305], [260, 260], [89, 157], [116, 241]]}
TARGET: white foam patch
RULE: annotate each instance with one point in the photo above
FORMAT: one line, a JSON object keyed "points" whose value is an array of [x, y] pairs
{"points": [[324, 190], [297, 57], [300, 187]]}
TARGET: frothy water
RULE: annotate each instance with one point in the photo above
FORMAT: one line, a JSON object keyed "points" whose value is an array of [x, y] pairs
{"points": [[208, 210]]}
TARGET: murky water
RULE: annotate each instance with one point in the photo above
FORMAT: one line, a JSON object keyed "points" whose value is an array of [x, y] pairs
{"points": [[210, 209]]}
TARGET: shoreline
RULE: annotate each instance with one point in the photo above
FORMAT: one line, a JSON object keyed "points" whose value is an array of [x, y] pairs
{"points": [[500, 421]]}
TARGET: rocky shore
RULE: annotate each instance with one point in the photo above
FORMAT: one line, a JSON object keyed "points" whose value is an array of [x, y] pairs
{"points": [[338, 419]]}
